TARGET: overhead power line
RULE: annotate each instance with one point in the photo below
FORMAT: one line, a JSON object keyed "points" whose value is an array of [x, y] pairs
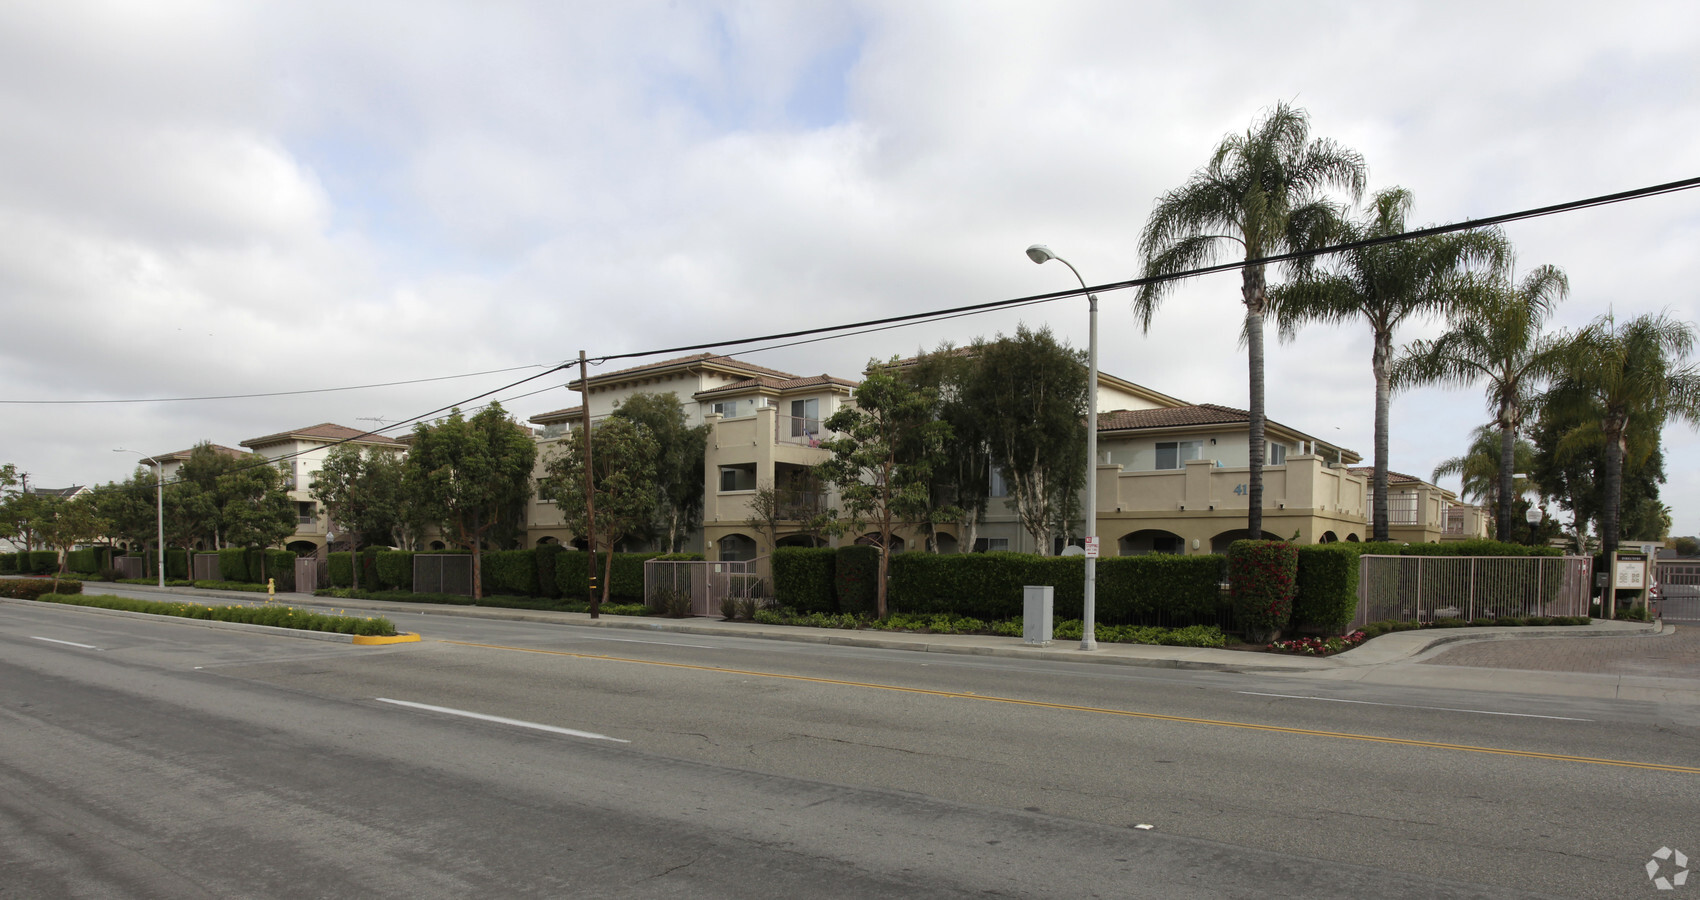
{"points": [[329, 390]]}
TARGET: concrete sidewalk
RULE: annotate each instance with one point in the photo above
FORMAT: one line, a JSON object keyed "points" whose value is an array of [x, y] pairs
{"points": [[1390, 649]]}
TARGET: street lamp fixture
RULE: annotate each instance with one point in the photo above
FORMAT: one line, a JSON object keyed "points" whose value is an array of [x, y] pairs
{"points": [[159, 505], [1041, 254]]}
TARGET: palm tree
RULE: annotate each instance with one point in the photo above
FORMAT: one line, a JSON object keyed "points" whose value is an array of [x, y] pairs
{"points": [[1627, 374], [1499, 340], [1478, 469], [1386, 284], [1260, 191]]}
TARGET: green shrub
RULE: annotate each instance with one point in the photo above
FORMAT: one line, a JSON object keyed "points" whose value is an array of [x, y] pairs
{"points": [[245, 586], [803, 578], [42, 562], [572, 574], [856, 579], [85, 562], [276, 616], [394, 570], [176, 564], [545, 556], [37, 588], [1327, 595], [512, 572], [341, 569], [8, 563], [233, 564], [1160, 588], [280, 567], [1262, 576]]}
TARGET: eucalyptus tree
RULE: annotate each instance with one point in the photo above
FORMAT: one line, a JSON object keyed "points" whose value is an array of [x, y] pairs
{"points": [[1616, 375], [1261, 193], [1386, 285], [678, 464], [623, 476], [1497, 340]]}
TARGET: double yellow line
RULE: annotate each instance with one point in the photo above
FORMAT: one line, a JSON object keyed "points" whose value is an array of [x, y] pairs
{"points": [[1098, 710]]}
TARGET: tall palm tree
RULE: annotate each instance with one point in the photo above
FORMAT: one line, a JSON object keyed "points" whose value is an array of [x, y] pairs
{"points": [[1628, 373], [1478, 469], [1262, 192], [1497, 340], [1386, 284]]}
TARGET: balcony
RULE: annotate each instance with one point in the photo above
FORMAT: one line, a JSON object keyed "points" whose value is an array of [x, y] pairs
{"points": [[1302, 483], [804, 432]]}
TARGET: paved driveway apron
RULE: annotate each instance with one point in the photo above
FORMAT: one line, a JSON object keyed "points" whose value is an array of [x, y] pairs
{"points": [[1674, 655]]}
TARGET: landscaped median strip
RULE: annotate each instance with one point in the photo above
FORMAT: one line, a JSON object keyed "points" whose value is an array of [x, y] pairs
{"points": [[361, 630], [1098, 710]]}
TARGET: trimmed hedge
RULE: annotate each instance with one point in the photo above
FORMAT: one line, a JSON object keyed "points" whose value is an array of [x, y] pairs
{"points": [[803, 578], [41, 562], [1262, 578], [233, 565], [176, 564], [341, 569], [8, 563], [276, 616], [572, 573], [89, 561], [511, 572], [1151, 589], [36, 588], [394, 569], [546, 581], [855, 579], [1327, 595]]}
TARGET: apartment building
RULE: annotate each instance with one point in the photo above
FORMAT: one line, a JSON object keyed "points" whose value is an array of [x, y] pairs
{"points": [[302, 452]]}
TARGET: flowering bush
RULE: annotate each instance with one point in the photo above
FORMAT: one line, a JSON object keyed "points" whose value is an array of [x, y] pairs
{"points": [[1316, 646], [1262, 576]]}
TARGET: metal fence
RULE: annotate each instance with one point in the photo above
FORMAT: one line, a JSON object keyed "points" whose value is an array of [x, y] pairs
{"points": [[1679, 591], [311, 573], [131, 566], [707, 583], [1425, 588], [442, 573], [206, 568]]}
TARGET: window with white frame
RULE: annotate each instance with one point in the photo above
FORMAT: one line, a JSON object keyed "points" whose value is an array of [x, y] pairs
{"points": [[1174, 454], [996, 485], [1277, 454]]}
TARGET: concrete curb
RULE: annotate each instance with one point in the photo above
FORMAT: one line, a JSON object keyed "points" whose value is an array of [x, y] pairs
{"points": [[1402, 646], [331, 636]]}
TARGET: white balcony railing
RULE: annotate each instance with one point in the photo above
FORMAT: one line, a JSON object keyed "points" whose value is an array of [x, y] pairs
{"points": [[800, 430], [1403, 511]]}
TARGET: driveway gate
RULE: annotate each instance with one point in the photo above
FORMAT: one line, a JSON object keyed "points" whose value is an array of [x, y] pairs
{"points": [[1425, 588], [1679, 590], [708, 582]]}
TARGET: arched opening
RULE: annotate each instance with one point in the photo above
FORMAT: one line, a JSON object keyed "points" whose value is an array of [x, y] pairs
{"points": [[1328, 537], [302, 548], [800, 540], [946, 543], [736, 547], [872, 539], [1352, 538], [1150, 540], [546, 541], [1219, 543], [580, 544], [438, 545]]}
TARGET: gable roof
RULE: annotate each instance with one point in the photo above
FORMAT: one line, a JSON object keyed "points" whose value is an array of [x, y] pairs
{"points": [[326, 432], [1170, 417], [710, 361], [571, 413], [182, 455], [1392, 476], [765, 384]]}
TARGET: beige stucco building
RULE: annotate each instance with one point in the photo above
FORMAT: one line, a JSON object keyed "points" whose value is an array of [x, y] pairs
{"points": [[302, 452]]}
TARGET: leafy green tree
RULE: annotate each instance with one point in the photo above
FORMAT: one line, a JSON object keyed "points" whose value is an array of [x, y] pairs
{"points": [[62, 524], [131, 512], [1261, 192], [680, 450], [1029, 395], [623, 475], [468, 474], [1570, 461], [1615, 375], [18, 513], [963, 480], [1386, 285], [884, 451], [361, 492], [1497, 340], [1687, 545], [223, 500]]}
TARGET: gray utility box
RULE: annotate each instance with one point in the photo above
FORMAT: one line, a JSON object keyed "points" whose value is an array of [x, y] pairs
{"points": [[1036, 613]]}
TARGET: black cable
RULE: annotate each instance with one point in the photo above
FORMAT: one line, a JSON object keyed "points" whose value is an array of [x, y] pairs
{"points": [[353, 387]]}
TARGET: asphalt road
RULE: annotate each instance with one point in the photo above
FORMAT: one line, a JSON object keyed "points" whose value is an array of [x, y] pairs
{"points": [[158, 759]]}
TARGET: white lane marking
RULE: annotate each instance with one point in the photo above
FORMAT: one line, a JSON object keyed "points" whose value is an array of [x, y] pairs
{"points": [[1479, 712], [662, 643], [504, 721], [67, 643]]}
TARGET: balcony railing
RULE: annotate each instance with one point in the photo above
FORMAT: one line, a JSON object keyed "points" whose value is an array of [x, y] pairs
{"points": [[798, 430], [801, 504], [1403, 511]]}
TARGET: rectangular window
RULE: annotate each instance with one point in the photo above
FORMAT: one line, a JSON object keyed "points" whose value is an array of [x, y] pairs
{"points": [[1277, 454], [997, 487], [991, 545], [805, 417], [736, 479], [726, 408], [1174, 454]]}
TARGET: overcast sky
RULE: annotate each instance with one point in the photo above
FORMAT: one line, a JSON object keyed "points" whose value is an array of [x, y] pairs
{"points": [[213, 198]]}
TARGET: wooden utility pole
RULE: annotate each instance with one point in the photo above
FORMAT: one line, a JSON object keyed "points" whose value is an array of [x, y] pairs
{"points": [[589, 482]]}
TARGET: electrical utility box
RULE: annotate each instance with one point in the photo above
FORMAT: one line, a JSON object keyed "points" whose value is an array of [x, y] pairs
{"points": [[1036, 613]]}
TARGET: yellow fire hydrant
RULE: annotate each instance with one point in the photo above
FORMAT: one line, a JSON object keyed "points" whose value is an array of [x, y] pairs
{"points": [[271, 589]]}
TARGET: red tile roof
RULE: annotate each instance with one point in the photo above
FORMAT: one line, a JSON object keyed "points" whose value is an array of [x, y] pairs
{"points": [[700, 358], [571, 412], [1171, 417], [184, 454], [322, 432], [1392, 476]]}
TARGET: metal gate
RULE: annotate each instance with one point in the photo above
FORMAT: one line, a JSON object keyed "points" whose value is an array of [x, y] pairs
{"points": [[1425, 588], [708, 583], [206, 568], [1679, 591], [310, 573], [442, 573]]}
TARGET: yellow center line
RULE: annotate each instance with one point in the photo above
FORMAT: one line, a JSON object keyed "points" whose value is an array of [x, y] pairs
{"points": [[1159, 717]]}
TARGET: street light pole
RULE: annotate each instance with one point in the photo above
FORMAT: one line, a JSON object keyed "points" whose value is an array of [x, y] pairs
{"points": [[1039, 253], [159, 506]]}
